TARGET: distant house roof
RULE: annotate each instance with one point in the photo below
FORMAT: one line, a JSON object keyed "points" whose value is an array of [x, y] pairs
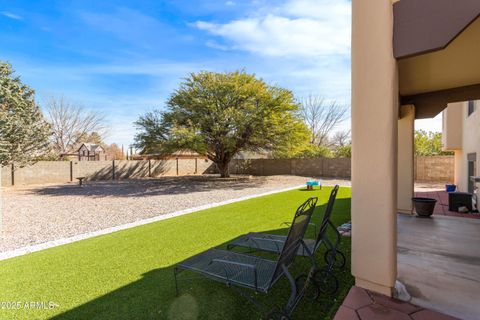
{"points": [[93, 148], [182, 154], [185, 153]]}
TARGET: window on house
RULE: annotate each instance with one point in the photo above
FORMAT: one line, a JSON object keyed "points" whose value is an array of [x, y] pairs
{"points": [[471, 170], [471, 107]]}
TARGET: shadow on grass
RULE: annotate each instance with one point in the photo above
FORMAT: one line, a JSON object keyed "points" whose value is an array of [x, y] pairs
{"points": [[153, 296]]}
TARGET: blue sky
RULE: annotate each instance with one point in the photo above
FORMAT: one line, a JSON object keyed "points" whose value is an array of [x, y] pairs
{"points": [[125, 57]]}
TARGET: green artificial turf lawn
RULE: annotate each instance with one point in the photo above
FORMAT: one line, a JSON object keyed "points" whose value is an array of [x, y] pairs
{"points": [[129, 274]]}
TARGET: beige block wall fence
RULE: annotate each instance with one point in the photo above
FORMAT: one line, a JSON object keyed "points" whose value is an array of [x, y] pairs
{"points": [[323, 167], [44, 172], [427, 169], [434, 169]]}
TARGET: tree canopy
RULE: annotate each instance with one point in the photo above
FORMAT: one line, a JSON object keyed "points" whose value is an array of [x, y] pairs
{"points": [[24, 132], [429, 143], [220, 114]]}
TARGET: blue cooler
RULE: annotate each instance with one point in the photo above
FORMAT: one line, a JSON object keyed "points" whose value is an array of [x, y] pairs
{"points": [[450, 187]]}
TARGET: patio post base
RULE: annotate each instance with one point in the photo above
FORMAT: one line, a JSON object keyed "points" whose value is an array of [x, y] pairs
{"points": [[365, 284]]}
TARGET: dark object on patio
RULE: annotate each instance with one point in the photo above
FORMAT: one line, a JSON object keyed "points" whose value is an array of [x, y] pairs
{"points": [[450, 187], [424, 206], [460, 199], [238, 270], [324, 280]]}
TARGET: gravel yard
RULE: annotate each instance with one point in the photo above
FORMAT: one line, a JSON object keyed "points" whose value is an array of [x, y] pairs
{"points": [[40, 214]]}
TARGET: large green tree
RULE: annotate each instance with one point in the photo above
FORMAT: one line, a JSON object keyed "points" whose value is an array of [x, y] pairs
{"points": [[429, 143], [23, 130], [220, 114]]}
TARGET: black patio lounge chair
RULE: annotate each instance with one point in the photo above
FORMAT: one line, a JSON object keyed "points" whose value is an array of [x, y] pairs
{"points": [[324, 279], [239, 270]]}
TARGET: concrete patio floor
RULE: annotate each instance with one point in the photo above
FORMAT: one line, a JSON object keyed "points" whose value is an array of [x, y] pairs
{"points": [[439, 263]]}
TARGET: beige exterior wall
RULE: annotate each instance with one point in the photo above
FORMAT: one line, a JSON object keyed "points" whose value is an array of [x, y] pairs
{"points": [[462, 135], [470, 137], [452, 127], [405, 171], [374, 152]]}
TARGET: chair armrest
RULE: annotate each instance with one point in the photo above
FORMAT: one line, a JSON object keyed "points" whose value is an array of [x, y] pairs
{"points": [[266, 238], [240, 264]]}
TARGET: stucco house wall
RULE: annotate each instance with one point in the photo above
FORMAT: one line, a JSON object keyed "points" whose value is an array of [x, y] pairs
{"points": [[462, 135]]}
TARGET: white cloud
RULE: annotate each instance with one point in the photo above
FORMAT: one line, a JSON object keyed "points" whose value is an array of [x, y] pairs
{"points": [[299, 28], [11, 15], [230, 3]]}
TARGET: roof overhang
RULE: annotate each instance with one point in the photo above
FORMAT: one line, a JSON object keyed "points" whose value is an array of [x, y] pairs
{"points": [[437, 44], [423, 26]]}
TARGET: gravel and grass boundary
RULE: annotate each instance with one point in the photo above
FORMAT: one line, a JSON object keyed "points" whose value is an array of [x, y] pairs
{"points": [[32, 216]]}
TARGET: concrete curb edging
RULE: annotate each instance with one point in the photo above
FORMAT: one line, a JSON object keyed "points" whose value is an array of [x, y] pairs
{"points": [[55, 243]]}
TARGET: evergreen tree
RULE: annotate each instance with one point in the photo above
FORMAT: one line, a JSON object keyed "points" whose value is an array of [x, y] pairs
{"points": [[24, 132]]}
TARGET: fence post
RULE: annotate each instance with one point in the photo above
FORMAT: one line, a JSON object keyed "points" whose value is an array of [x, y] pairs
{"points": [[196, 167], [71, 171], [149, 168], [177, 165], [13, 174], [323, 166], [113, 169]]}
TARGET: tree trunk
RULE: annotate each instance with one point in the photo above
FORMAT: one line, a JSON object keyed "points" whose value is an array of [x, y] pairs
{"points": [[223, 169]]}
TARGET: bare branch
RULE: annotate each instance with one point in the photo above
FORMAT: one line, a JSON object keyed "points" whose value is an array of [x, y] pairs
{"points": [[321, 118], [341, 138], [72, 123]]}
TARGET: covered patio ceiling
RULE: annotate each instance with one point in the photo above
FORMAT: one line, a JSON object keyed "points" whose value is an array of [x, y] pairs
{"points": [[437, 45]]}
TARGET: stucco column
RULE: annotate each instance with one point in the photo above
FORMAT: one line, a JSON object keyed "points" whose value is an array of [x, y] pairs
{"points": [[374, 150], [406, 127]]}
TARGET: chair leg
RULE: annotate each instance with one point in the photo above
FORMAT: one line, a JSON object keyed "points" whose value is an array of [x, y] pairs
{"points": [[175, 271], [292, 300], [330, 258]]}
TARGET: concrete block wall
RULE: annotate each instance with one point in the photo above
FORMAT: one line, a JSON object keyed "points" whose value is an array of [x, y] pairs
{"points": [[92, 170], [338, 167], [164, 167], [46, 172], [435, 169], [132, 169], [307, 167], [427, 169], [41, 172], [324, 167]]}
